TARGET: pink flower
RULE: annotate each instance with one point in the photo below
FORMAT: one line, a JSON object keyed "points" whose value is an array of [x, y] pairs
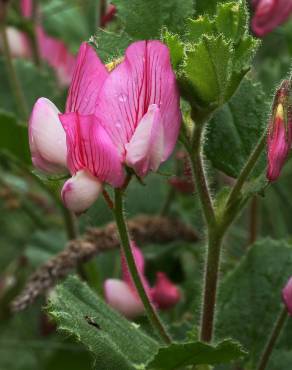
{"points": [[128, 116], [122, 294], [269, 14], [287, 295], [164, 293], [109, 15], [280, 133], [18, 43], [52, 51], [56, 54]]}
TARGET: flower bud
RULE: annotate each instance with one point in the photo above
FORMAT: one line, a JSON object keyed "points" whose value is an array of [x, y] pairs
{"points": [[287, 295], [280, 131]]}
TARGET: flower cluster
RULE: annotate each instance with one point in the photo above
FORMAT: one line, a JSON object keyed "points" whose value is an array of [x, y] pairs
{"points": [[128, 116], [122, 294]]}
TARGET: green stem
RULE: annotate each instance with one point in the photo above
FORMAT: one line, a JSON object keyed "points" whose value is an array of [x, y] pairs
{"points": [[70, 223], [13, 78], [125, 242], [210, 286], [200, 177], [247, 169], [270, 345]]}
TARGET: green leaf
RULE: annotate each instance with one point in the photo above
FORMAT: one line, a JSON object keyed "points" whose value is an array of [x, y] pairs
{"points": [[110, 45], [218, 55], [14, 138], [206, 75], [114, 342], [232, 19], [250, 295], [200, 26], [176, 47], [236, 129], [178, 355], [145, 19]]}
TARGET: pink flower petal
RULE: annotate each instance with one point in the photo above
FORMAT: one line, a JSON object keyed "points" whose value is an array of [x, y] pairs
{"points": [[26, 8], [146, 147], [145, 77], [88, 78], [287, 295], [80, 191], [119, 296], [90, 147], [269, 14], [47, 138], [164, 294], [57, 55]]}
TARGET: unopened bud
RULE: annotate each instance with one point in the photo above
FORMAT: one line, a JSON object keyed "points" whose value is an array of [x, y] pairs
{"points": [[280, 131]]}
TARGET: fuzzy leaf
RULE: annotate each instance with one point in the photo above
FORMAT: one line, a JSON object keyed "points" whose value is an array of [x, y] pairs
{"points": [[176, 47], [250, 295], [203, 71], [178, 355], [145, 19], [114, 342], [236, 129]]}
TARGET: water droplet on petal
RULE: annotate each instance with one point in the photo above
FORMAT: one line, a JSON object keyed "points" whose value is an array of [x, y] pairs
{"points": [[123, 98]]}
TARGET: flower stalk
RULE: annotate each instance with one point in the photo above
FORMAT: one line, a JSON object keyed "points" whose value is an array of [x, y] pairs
{"points": [[272, 340], [125, 243], [13, 78]]}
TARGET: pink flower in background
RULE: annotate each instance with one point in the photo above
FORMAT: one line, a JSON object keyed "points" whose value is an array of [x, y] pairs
{"points": [[269, 14], [122, 294], [128, 116], [56, 54], [109, 15], [287, 295], [280, 133], [52, 51]]}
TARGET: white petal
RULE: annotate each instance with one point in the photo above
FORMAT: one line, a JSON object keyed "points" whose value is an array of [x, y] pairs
{"points": [[146, 147], [47, 137], [81, 191], [121, 297]]}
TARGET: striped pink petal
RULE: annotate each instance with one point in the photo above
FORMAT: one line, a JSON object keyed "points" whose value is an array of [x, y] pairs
{"points": [[88, 78], [90, 147], [144, 78]]}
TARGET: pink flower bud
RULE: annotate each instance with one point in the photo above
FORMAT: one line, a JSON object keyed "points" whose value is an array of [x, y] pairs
{"points": [[81, 191], [269, 14], [280, 132], [164, 293], [287, 295]]}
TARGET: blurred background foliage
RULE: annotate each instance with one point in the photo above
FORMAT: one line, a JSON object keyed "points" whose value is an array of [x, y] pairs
{"points": [[32, 223]]}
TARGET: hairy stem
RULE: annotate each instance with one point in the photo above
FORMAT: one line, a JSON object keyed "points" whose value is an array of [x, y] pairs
{"points": [[247, 169], [125, 242], [272, 340], [13, 78], [210, 286], [200, 177]]}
